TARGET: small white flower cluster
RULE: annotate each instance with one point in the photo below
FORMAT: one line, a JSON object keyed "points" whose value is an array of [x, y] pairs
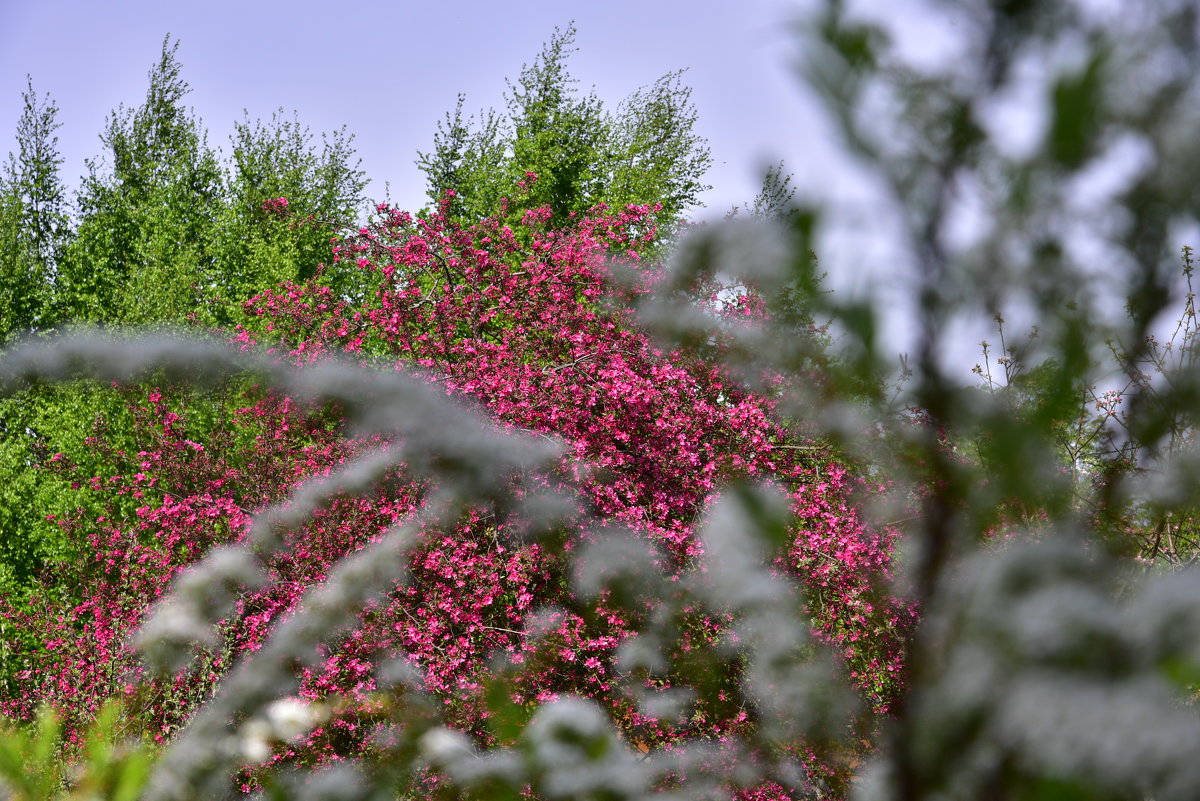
{"points": [[285, 721]]}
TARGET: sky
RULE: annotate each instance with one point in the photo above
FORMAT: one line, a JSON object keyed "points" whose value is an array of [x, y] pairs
{"points": [[389, 71]]}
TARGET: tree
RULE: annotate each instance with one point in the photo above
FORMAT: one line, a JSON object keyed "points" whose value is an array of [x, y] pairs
{"points": [[1034, 630], [468, 159], [148, 210], [166, 232], [578, 154], [656, 155], [34, 225], [256, 249], [152, 217], [141, 253]]}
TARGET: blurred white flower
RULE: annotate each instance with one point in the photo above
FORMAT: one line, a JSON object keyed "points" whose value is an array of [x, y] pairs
{"points": [[442, 745], [290, 718], [255, 741]]}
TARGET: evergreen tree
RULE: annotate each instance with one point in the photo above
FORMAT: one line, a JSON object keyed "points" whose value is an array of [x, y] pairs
{"points": [[33, 218]]}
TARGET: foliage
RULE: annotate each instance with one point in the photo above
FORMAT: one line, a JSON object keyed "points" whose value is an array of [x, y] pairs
{"points": [[581, 154], [255, 249], [541, 338], [112, 766], [33, 220], [1096, 438], [1019, 646], [163, 233], [142, 251], [528, 519]]}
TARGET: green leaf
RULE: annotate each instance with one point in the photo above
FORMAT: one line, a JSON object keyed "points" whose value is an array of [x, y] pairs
{"points": [[1076, 100]]}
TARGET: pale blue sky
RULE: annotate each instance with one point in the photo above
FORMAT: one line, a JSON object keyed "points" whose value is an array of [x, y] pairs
{"points": [[388, 71]]}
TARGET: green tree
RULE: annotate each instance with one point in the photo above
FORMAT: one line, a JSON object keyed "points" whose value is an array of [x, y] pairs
{"points": [[645, 152], [255, 248], [469, 159], [163, 225], [1043, 669], [658, 157], [33, 220], [148, 212]]}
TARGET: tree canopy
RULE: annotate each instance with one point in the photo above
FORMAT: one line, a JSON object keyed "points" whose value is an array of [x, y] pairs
{"points": [[578, 152], [33, 218], [162, 228]]}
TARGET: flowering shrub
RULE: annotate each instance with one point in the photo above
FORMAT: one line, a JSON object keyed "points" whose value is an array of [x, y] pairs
{"points": [[532, 327]]}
